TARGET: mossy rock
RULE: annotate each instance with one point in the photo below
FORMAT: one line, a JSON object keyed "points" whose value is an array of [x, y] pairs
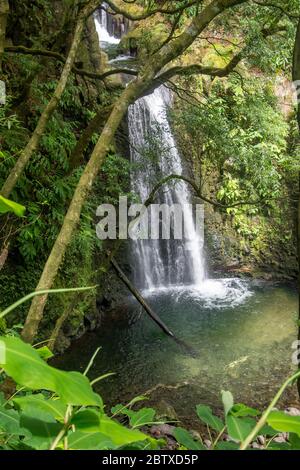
{"points": [[144, 38], [166, 411]]}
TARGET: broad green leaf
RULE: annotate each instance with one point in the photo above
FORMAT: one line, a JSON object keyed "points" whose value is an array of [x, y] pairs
{"points": [[55, 408], [238, 428], [294, 440], [205, 414], [10, 206], [240, 410], [184, 438], [118, 408], [26, 367], [144, 416], [119, 434], [10, 422], [227, 400], [87, 421], [154, 444], [141, 417], [45, 353], [266, 430], [279, 446], [89, 441], [227, 445], [283, 422], [42, 426]]}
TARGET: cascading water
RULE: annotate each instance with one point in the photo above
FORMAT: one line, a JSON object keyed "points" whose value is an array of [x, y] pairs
{"points": [[161, 262], [174, 265], [158, 262], [101, 23]]}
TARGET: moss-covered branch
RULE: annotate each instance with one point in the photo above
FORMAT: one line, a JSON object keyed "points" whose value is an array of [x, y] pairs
{"points": [[140, 298], [198, 192], [146, 14], [62, 59], [197, 69]]}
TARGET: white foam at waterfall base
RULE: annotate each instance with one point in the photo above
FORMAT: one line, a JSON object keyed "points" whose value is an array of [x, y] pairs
{"points": [[211, 293]]}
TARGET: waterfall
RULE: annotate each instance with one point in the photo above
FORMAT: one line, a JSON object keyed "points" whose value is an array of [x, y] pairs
{"points": [[158, 263], [161, 262], [110, 28], [105, 33]]}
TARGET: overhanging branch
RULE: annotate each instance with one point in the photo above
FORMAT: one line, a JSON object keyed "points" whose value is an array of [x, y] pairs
{"points": [[167, 11], [198, 192], [212, 71], [62, 59]]}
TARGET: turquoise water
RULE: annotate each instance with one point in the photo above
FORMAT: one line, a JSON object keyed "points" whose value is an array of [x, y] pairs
{"points": [[242, 333]]}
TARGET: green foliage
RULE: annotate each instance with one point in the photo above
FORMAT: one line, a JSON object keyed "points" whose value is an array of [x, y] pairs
{"points": [[73, 411], [206, 415], [28, 369], [243, 149], [47, 190], [242, 427], [143, 417], [241, 132], [283, 422], [187, 441], [115, 178], [7, 205], [13, 134]]}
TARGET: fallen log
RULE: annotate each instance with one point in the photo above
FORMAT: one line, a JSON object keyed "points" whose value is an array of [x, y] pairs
{"points": [[140, 298], [135, 292]]}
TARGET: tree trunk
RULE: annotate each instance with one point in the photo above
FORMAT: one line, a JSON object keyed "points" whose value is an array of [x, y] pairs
{"points": [[34, 141], [72, 217], [95, 125], [60, 321], [135, 89], [296, 78], [4, 9]]}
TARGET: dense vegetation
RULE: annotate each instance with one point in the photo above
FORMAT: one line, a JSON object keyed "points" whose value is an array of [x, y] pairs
{"points": [[64, 150]]}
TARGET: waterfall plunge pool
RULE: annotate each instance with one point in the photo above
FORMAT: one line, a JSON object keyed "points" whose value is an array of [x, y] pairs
{"points": [[241, 330]]}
